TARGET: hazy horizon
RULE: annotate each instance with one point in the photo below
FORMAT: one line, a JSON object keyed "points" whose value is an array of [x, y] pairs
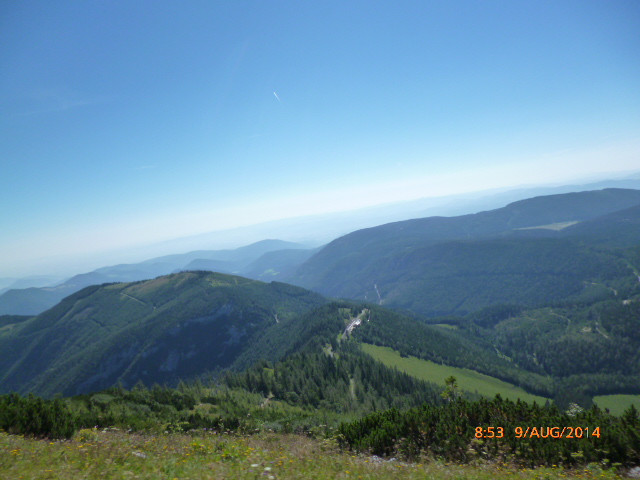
{"points": [[66, 266], [125, 125]]}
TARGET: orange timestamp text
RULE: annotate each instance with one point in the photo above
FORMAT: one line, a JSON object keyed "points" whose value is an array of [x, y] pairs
{"points": [[539, 432]]}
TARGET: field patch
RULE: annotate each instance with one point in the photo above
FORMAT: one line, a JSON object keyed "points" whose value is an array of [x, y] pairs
{"points": [[551, 226], [448, 326], [617, 404], [468, 380]]}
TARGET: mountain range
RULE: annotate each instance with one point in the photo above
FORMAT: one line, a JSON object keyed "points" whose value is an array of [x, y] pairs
{"points": [[530, 252], [542, 293], [244, 260]]}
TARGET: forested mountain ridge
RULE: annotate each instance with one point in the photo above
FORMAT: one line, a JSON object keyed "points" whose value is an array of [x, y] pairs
{"points": [[618, 229], [184, 325], [530, 252], [194, 324], [541, 308], [343, 268], [544, 210], [159, 330], [177, 327]]}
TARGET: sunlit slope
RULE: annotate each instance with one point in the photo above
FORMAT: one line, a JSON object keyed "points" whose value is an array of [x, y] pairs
{"points": [[617, 404], [570, 353], [185, 325], [468, 380], [440, 265], [158, 330], [462, 349]]}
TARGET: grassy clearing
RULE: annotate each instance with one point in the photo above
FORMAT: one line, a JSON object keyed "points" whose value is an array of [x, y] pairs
{"points": [[468, 380], [617, 404], [118, 455], [446, 325], [551, 226]]}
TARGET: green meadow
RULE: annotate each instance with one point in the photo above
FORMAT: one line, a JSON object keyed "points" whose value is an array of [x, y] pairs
{"points": [[617, 404], [446, 325], [468, 380], [116, 455]]}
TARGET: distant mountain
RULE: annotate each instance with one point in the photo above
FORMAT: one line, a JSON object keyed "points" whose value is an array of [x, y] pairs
{"points": [[277, 264], [31, 301], [346, 257], [620, 229], [236, 258], [441, 265], [36, 300], [209, 265], [28, 282], [323, 228]]}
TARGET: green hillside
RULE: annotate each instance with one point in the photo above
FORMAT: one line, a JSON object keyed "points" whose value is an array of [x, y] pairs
{"points": [[617, 229], [438, 266], [588, 350], [597, 338], [297, 362], [569, 354], [160, 330], [463, 276], [468, 380], [187, 325], [553, 314], [617, 404]]}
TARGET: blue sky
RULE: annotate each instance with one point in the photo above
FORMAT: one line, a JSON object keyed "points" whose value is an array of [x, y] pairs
{"points": [[127, 122]]}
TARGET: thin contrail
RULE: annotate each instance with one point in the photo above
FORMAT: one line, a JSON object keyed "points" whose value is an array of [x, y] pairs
{"points": [[276, 95]]}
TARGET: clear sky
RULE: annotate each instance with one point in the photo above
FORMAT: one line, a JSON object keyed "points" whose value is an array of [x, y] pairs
{"points": [[124, 122]]}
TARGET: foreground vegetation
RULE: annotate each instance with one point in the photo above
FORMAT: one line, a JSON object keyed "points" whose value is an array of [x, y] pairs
{"points": [[529, 435], [453, 429], [114, 454]]}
